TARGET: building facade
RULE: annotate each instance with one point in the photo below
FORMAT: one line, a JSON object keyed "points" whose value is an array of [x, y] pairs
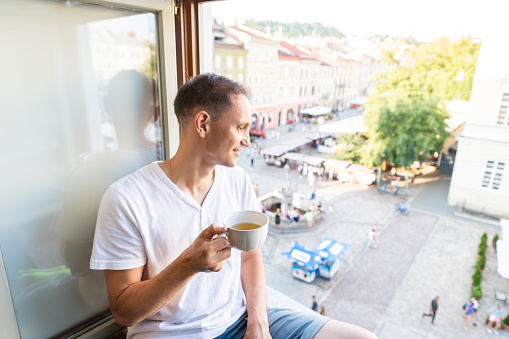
{"points": [[262, 60], [480, 180], [230, 54]]}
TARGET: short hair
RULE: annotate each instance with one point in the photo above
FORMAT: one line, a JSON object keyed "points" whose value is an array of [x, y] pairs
{"points": [[209, 92]]}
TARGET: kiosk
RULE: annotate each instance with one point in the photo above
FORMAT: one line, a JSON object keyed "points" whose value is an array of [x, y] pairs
{"points": [[322, 261]]}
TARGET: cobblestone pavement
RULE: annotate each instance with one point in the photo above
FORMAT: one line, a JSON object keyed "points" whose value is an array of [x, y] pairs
{"points": [[430, 252]]}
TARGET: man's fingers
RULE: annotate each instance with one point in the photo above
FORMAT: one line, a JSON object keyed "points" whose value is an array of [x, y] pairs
{"points": [[218, 244], [219, 257], [211, 231]]}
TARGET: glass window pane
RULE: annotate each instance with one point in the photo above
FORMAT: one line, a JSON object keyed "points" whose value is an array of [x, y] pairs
{"points": [[78, 110]]}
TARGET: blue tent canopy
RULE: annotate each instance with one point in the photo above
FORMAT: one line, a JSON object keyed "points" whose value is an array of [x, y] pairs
{"points": [[301, 256], [330, 249]]}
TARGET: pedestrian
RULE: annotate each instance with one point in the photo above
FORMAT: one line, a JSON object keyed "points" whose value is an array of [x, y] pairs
{"points": [[331, 173], [311, 179], [495, 316], [322, 311], [468, 314], [314, 306], [252, 157], [166, 271], [277, 218], [371, 240], [309, 218], [433, 308], [264, 208], [475, 305], [396, 186]]}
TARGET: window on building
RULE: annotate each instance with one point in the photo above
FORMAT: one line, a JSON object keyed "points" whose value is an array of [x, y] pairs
{"points": [[503, 117], [241, 62], [229, 62], [240, 78], [217, 62], [493, 174], [229, 76]]}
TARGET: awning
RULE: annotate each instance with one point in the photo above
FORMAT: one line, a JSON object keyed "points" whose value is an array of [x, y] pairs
{"points": [[313, 161], [279, 150], [303, 257], [276, 151], [316, 110], [316, 136], [503, 258], [330, 249], [359, 169], [339, 165], [346, 126]]}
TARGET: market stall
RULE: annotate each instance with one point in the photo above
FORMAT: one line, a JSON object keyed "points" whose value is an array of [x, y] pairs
{"points": [[322, 261]]}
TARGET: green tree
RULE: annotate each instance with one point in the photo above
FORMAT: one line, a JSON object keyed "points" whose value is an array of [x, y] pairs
{"points": [[411, 130], [353, 147], [404, 114], [295, 29]]}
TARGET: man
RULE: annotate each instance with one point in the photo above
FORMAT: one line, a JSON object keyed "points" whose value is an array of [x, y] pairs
{"points": [[168, 275], [432, 310], [314, 306], [371, 241]]}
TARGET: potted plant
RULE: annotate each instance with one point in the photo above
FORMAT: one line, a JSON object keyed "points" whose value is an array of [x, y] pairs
{"points": [[484, 239], [494, 243], [481, 261], [477, 292], [505, 322], [476, 278]]}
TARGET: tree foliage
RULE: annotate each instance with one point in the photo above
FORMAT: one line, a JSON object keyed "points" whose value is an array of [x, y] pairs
{"points": [[404, 114], [295, 29]]}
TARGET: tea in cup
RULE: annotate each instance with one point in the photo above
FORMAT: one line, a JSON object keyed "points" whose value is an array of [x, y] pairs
{"points": [[247, 230]]}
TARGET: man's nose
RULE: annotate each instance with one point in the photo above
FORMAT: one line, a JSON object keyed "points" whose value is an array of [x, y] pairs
{"points": [[246, 142]]}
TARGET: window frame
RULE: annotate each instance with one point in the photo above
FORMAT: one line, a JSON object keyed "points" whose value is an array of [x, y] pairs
{"points": [[488, 181]]}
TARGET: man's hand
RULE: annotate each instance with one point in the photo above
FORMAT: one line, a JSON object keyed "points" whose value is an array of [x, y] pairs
{"points": [[206, 253]]}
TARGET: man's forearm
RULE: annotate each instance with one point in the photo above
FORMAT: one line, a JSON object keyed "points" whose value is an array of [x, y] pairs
{"points": [[254, 285], [143, 299]]}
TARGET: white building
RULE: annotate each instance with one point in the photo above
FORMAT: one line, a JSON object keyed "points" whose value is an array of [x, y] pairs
{"points": [[480, 180]]}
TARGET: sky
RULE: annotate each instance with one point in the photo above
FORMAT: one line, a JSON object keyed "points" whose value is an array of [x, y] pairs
{"points": [[425, 20]]}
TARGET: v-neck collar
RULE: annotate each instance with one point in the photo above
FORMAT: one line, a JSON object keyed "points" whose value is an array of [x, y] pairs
{"points": [[174, 188]]}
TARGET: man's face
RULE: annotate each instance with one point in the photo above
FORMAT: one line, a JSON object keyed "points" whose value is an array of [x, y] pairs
{"points": [[231, 133]]}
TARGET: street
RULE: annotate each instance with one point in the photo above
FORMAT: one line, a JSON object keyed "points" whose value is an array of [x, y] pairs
{"points": [[428, 253]]}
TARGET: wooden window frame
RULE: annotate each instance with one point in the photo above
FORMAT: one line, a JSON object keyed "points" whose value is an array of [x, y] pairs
{"points": [[187, 39]]}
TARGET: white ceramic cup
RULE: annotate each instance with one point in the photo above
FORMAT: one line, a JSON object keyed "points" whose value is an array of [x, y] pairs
{"points": [[246, 240]]}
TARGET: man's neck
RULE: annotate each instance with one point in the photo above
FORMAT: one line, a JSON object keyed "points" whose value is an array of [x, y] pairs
{"points": [[191, 174]]}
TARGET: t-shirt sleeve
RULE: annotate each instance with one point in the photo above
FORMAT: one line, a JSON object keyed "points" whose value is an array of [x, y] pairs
{"points": [[118, 244]]}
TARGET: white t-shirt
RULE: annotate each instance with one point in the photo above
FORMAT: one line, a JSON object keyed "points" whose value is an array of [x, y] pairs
{"points": [[371, 235], [144, 219]]}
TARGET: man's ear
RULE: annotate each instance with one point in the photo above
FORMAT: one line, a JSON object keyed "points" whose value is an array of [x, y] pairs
{"points": [[202, 123]]}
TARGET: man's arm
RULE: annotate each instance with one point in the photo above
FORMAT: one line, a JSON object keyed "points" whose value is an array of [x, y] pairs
{"points": [[132, 300], [254, 285]]}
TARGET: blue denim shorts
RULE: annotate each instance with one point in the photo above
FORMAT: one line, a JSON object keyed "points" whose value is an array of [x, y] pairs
{"points": [[283, 324]]}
